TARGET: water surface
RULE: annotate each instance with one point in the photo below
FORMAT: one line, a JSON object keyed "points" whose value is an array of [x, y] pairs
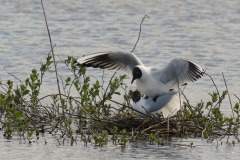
{"points": [[207, 32]]}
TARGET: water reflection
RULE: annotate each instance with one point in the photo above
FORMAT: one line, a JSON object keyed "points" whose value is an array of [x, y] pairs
{"points": [[175, 149]]}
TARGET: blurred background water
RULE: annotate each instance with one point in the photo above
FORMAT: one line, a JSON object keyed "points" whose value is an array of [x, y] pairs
{"points": [[207, 32]]}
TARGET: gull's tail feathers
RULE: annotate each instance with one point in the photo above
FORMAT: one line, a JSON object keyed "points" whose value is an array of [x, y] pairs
{"points": [[172, 107]]}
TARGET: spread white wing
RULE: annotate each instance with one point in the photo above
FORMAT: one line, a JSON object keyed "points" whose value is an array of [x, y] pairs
{"points": [[179, 70], [112, 60]]}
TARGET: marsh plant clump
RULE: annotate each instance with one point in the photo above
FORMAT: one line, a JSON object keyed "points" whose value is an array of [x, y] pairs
{"points": [[90, 114]]}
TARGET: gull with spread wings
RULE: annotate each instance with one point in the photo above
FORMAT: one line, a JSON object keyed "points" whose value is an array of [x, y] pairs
{"points": [[150, 81]]}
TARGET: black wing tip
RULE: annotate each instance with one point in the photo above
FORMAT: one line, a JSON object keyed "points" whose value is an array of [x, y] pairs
{"points": [[194, 71], [102, 61]]}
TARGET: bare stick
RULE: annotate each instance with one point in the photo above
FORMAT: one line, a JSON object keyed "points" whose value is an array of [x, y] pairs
{"points": [[154, 126], [213, 83], [14, 76], [167, 123], [129, 108], [49, 36], [150, 114], [179, 96], [188, 104], [237, 97], [146, 16], [203, 132], [215, 87], [228, 94]]}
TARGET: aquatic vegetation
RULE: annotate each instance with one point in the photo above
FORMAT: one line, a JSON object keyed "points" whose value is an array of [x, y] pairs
{"points": [[92, 116]]}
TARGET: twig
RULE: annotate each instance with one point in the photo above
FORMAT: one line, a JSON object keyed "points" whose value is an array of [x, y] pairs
{"points": [[87, 112], [150, 114], [179, 95], [203, 132], [189, 106], [214, 85], [42, 72], [222, 137], [51, 50], [228, 94], [49, 36], [142, 123], [104, 97], [237, 97], [153, 126], [146, 16], [14, 76], [168, 123], [129, 108]]}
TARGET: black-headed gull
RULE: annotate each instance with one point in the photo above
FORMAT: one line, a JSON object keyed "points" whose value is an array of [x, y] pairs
{"points": [[168, 104], [150, 81]]}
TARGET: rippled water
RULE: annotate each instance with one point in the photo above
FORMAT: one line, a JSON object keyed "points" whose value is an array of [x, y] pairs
{"points": [[207, 32], [177, 149]]}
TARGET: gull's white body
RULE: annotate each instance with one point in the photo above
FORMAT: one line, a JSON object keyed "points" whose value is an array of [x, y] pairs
{"points": [[168, 104], [153, 81], [150, 85]]}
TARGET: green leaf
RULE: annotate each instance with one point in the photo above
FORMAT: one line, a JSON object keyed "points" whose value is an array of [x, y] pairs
{"points": [[208, 104], [32, 78], [43, 67], [26, 92], [22, 88], [18, 114], [124, 131], [187, 113], [96, 93], [85, 87], [68, 79], [210, 94], [27, 81], [69, 58], [85, 97], [49, 63], [236, 106], [37, 132], [97, 84], [95, 137], [20, 129], [37, 84], [49, 58], [30, 133], [35, 93], [16, 124], [214, 99], [74, 60], [236, 111], [221, 122], [97, 122]]}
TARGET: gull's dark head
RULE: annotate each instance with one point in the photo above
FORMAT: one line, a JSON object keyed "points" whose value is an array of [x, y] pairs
{"points": [[137, 73], [136, 96]]}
